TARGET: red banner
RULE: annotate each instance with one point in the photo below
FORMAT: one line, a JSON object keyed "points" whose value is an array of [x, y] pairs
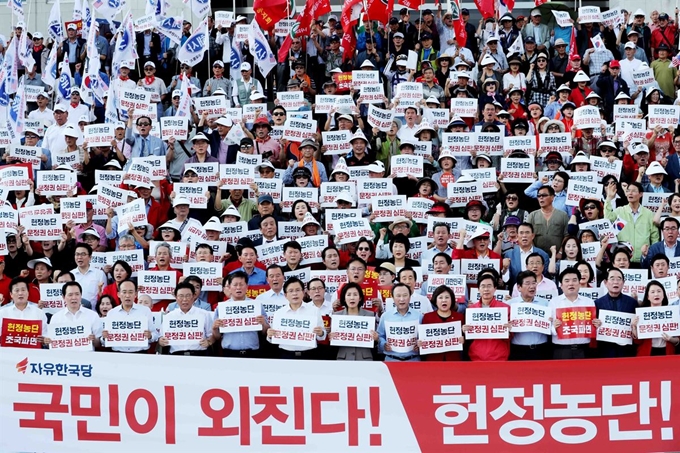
{"points": [[343, 81], [20, 333], [577, 322]]}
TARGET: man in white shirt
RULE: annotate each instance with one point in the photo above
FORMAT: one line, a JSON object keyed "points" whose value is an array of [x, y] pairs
{"points": [[419, 302], [54, 135], [629, 64], [182, 221], [75, 315], [91, 280], [185, 294], [570, 348], [42, 113], [271, 301], [21, 309], [295, 308], [129, 310]]}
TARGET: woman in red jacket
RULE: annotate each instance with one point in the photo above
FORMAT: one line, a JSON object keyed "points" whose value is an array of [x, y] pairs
{"points": [[578, 94], [447, 311], [655, 296]]}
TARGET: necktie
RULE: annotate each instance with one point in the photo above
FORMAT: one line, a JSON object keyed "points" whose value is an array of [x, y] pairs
{"points": [[144, 147]]}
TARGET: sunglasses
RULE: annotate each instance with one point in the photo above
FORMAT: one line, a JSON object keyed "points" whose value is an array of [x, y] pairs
{"points": [[541, 60], [590, 207], [246, 146], [512, 198], [543, 195], [166, 230], [143, 124], [217, 66], [149, 69], [278, 114], [364, 249]]}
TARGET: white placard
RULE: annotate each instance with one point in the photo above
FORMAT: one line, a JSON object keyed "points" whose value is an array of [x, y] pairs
{"points": [[517, 170], [50, 294], [380, 118], [616, 327], [589, 14], [44, 228], [73, 209], [625, 112], [405, 165], [351, 230], [461, 193], [562, 18], [402, 337], [491, 143], [323, 103], [195, 193], [440, 337], [290, 194], [372, 93], [176, 127], [577, 190], [587, 116], [331, 190], [282, 27], [138, 99], [487, 323], [459, 144], [486, 176], [111, 196], [643, 77], [367, 189], [353, 331], [15, 178], [654, 321], [418, 208], [312, 246], [127, 333], [337, 142], [560, 143], [333, 215], [271, 187], [530, 317], [133, 213], [187, 330], [613, 17], [603, 167], [464, 107], [240, 316], [361, 78], [665, 116], [294, 331], [271, 253], [74, 336], [291, 100], [108, 177], [157, 284], [214, 106], [55, 182], [296, 130], [387, 209], [237, 177], [138, 172]]}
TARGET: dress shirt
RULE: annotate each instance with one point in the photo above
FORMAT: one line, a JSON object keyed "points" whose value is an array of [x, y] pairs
{"points": [[528, 338], [90, 281], [197, 304], [544, 285], [304, 311], [30, 313], [239, 341], [93, 323], [394, 316], [257, 277], [193, 312], [562, 302], [419, 302], [118, 313]]}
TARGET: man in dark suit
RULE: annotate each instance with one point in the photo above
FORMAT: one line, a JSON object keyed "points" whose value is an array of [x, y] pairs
{"points": [[519, 253], [616, 301], [148, 47], [667, 246], [610, 85]]}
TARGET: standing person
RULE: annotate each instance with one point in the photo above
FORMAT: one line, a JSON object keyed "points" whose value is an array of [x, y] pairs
{"points": [[655, 296], [91, 280], [615, 300], [244, 87], [185, 295], [127, 293], [528, 345], [74, 314], [571, 348], [143, 144], [352, 299], [444, 300], [294, 290], [20, 309], [550, 224], [402, 312], [492, 349]]}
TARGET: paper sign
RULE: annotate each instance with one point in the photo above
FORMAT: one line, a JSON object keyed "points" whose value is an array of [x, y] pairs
{"points": [[461, 193], [108, 177], [127, 333], [486, 176], [283, 27], [15, 177], [214, 106], [440, 337], [138, 172], [223, 19], [560, 143], [195, 193], [186, 330], [643, 77], [240, 316], [418, 208], [294, 331], [209, 273], [20, 333], [351, 230], [291, 100], [577, 322], [73, 336], [367, 189], [111, 196], [626, 112], [402, 337], [655, 321], [296, 130], [526, 143], [353, 331], [405, 165], [236, 176], [271, 253], [487, 323], [464, 107], [331, 190], [380, 118], [290, 194], [337, 142], [587, 116], [44, 228], [517, 170], [138, 99], [372, 93], [50, 294], [562, 18], [459, 144], [456, 282], [55, 182], [176, 127], [387, 209], [666, 116], [324, 103], [333, 215], [73, 209], [178, 251], [613, 18], [589, 14], [26, 154], [530, 317], [616, 327], [133, 213], [361, 78], [491, 143], [101, 134], [578, 190], [270, 187], [603, 167], [157, 284]]}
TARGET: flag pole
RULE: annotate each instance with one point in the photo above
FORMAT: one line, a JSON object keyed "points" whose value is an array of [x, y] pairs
{"points": [[420, 21]]}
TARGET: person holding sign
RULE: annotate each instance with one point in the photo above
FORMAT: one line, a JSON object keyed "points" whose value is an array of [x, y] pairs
{"points": [[352, 299], [668, 246], [142, 142], [488, 349], [447, 311], [655, 296], [616, 301], [20, 310], [565, 308], [294, 290], [74, 315], [192, 316], [528, 345], [128, 310], [402, 313]]}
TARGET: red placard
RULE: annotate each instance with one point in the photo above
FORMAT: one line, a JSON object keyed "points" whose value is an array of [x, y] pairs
{"points": [[255, 290], [343, 81], [577, 322], [20, 333]]}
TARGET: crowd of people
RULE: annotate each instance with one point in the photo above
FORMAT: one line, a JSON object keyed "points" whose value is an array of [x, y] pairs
{"points": [[543, 242]]}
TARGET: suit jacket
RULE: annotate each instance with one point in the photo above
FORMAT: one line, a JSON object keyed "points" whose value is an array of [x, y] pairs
{"points": [[654, 250], [215, 140], [516, 261], [154, 49], [606, 85], [354, 353], [156, 146], [540, 33]]}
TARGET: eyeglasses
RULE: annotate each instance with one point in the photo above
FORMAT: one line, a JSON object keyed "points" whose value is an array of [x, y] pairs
{"points": [[148, 69], [278, 114], [317, 288], [143, 124], [166, 230], [543, 195], [81, 254], [670, 229], [217, 66], [246, 146], [607, 150], [512, 198], [590, 207]]}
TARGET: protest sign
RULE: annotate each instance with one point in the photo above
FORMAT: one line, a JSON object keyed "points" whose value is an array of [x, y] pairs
{"points": [[291, 194], [671, 286], [9, 218], [240, 316], [207, 172], [613, 17], [178, 253], [157, 284], [100, 134], [530, 317], [471, 268], [590, 250], [195, 193], [223, 19], [587, 116], [147, 22], [652, 200], [584, 176], [138, 99], [486, 176], [388, 208], [214, 106], [135, 258], [464, 107], [409, 95], [50, 295], [653, 322], [236, 177], [343, 81], [250, 112], [622, 112], [291, 100], [74, 336], [27, 154], [294, 331], [252, 160], [331, 190], [323, 103], [337, 142], [333, 215], [15, 177], [666, 116], [589, 14], [402, 337], [312, 246], [517, 170], [361, 78], [418, 208], [35, 211], [209, 273], [405, 165], [460, 193], [367, 189], [459, 144], [526, 143], [283, 27], [296, 130], [380, 118], [44, 228], [174, 127], [643, 77], [108, 177], [271, 187], [616, 327], [603, 167], [577, 190], [271, 253], [187, 330], [487, 323], [456, 282], [352, 331], [73, 209], [290, 230], [372, 93], [111, 196], [128, 333], [133, 213], [439, 338], [577, 322], [344, 103], [31, 92], [417, 246], [20, 333], [436, 117], [139, 172], [55, 182], [350, 230], [631, 130], [491, 143], [563, 18], [635, 282], [560, 143]]}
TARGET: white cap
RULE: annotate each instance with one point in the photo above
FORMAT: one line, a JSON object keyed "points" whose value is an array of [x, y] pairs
{"points": [[150, 63], [225, 121], [245, 66], [69, 27], [265, 163], [127, 64], [488, 59], [446, 152], [213, 224], [219, 91], [84, 119], [581, 77], [376, 167], [564, 87], [535, 12], [113, 163], [630, 45], [638, 12], [37, 35], [340, 167], [581, 158], [475, 234], [180, 201], [120, 125], [655, 168], [21, 24], [367, 64], [90, 231], [636, 148], [257, 95], [176, 93], [200, 136], [218, 63], [61, 108], [231, 210], [31, 264], [70, 131], [345, 195], [358, 135]]}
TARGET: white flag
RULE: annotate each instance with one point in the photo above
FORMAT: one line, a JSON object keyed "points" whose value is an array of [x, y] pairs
{"points": [[77, 10], [49, 74], [17, 112], [126, 47], [108, 8], [259, 48], [65, 81], [54, 27], [191, 53], [17, 8], [11, 63], [201, 8], [171, 27], [87, 19], [516, 47], [92, 52], [24, 52], [184, 107], [4, 96]]}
